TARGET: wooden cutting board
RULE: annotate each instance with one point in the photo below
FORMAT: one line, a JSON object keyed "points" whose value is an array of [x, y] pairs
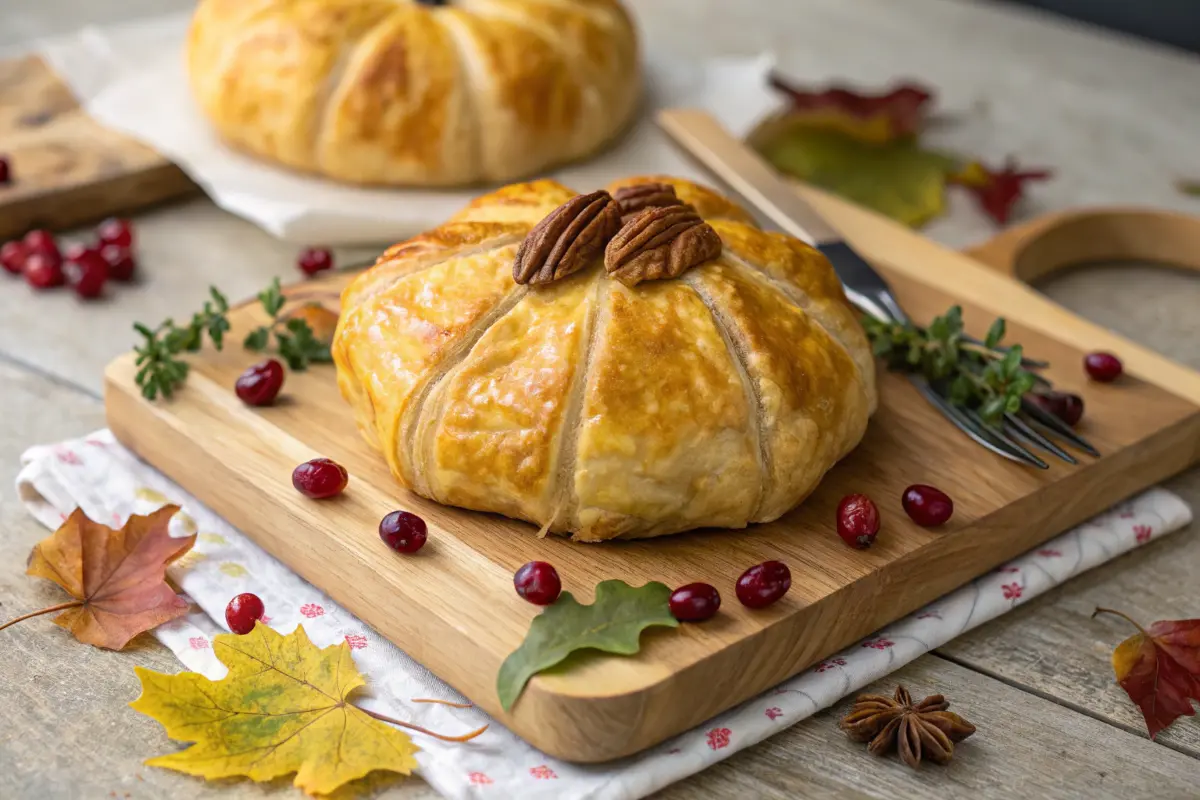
{"points": [[68, 169], [453, 608]]}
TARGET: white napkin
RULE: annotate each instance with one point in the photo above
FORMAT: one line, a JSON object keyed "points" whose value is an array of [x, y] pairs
{"points": [[131, 78], [109, 483]]}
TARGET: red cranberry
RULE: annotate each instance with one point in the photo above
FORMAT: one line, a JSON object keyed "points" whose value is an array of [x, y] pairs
{"points": [[42, 241], [120, 261], [87, 274], [314, 260], [1067, 407], [1103, 367], [5, 171], [77, 250], [857, 521], [320, 478], [43, 271], [243, 612], [695, 602], [927, 506], [403, 532], [13, 255], [763, 584], [259, 384], [538, 583], [115, 231]]}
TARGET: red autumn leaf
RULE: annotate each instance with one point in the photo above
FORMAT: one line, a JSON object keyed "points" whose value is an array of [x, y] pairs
{"points": [[875, 118], [997, 192], [117, 577], [1159, 668]]}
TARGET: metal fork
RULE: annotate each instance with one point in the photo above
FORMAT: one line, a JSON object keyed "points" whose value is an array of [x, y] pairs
{"points": [[763, 189]]}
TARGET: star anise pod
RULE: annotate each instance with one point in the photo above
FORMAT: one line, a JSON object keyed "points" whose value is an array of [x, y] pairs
{"points": [[924, 730]]}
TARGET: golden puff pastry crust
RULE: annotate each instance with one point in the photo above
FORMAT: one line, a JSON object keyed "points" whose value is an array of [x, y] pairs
{"points": [[716, 399], [398, 92]]}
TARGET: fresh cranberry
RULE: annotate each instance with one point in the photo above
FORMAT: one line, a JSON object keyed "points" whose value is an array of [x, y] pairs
{"points": [[857, 521], [314, 260], [115, 231], [243, 612], [403, 532], [259, 384], [1067, 407], [13, 255], [42, 241], [75, 251], [120, 261], [87, 274], [43, 271], [320, 478], [5, 171], [695, 602], [1103, 367], [538, 583], [927, 506], [763, 584]]}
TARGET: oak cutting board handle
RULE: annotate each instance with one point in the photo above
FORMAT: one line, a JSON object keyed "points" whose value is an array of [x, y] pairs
{"points": [[1037, 248]]}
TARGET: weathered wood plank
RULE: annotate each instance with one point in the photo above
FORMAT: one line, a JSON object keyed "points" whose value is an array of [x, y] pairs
{"points": [[1051, 646], [1025, 747]]}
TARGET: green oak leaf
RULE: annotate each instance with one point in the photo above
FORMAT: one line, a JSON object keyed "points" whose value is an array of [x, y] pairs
{"points": [[899, 178], [613, 624]]}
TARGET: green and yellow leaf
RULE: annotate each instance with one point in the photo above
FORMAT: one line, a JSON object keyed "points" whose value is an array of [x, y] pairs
{"points": [[896, 178], [282, 708]]}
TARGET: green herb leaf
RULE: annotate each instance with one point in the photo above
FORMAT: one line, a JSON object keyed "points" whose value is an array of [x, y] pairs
{"points": [[992, 409], [272, 299], [257, 339], [995, 333], [613, 624]]}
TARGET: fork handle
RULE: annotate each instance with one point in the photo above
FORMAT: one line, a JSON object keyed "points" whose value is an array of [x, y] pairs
{"points": [[747, 174]]}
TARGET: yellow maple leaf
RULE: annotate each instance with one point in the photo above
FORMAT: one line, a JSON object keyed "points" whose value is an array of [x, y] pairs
{"points": [[282, 708]]}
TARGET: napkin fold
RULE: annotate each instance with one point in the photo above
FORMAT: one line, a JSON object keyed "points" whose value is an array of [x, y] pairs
{"points": [[109, 483], [131, 78]]}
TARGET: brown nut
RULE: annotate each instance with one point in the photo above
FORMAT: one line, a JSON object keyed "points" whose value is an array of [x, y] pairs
{"points": [[568, 239], [662, 242]]}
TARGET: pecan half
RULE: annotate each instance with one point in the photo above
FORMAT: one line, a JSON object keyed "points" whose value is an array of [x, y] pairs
{"points": [[568, 239], [637, 198], [662, 242]]}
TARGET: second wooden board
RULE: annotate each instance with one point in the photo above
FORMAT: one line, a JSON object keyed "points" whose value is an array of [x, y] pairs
{"points": [[453, 607]]}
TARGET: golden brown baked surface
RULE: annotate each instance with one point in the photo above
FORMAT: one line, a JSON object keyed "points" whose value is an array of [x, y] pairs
{"points": [[401, 93], [714, 399]]}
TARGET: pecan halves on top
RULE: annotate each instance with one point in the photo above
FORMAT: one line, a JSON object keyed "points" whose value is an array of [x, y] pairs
{"points": [[568, 239], [658, 243], [640, 196]]}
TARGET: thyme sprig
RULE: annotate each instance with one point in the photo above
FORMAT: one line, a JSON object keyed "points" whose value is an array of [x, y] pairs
{"points": [[980, 377], [161, 371], [294, 338]]}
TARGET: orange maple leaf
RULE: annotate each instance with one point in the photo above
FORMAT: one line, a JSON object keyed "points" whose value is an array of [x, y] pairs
{"points": [[1159, 668], [117, 577]]}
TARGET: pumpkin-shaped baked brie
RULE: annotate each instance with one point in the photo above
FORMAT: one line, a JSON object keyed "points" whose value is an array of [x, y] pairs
{"points": [[415, 93], [615, 365]]}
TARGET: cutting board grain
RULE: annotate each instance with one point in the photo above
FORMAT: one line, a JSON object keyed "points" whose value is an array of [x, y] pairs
{"points": [[452, 607], [67, 169]]}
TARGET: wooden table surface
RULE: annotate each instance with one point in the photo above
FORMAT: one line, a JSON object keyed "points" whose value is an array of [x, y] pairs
{"points": [[1116, 119]]}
